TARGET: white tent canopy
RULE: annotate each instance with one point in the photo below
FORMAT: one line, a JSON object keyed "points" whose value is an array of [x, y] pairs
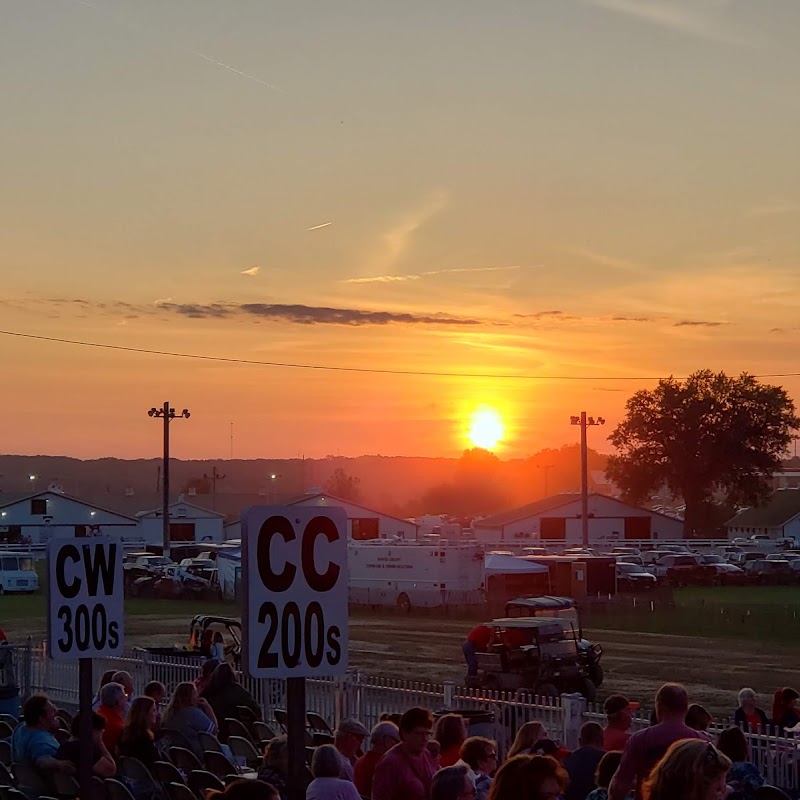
{"points": [[498, 564]]}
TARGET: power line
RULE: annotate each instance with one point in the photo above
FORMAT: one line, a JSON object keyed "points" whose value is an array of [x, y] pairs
{"points": [[367, 370]]}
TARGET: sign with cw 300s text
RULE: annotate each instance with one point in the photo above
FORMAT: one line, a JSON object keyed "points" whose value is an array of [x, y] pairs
{"points": [[86, 608]]}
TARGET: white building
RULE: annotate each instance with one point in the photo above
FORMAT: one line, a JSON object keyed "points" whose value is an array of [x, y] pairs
{"points": [[557, 520], [187, 523], [778, 518], [362, 523], [37, 518]]}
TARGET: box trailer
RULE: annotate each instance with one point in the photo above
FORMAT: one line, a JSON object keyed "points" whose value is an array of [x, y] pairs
{"points": [[407, 575]]}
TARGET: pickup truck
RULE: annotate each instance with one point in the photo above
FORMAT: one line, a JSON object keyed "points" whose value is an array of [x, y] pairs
{"points": [[682, 569]]}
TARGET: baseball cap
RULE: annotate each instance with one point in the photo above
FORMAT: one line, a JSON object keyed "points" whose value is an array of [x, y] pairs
{"points": [[616, 703], [352, 726]]}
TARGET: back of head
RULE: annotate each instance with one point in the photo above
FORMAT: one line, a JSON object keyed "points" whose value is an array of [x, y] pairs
{"points": [[105, 678], [325, 762], [688, 771], [222, 677], [181, 698], [733, 743], [477, 749], [781, 702], [111, 695], [276, 749], [591, 735], [448, 783], [98, 724], [136, 718], [383, 730], [392, 716], [672, 702], [450, 731], [244, 789], [124, 679], [207, 670], [526, 737], [155, 689], [697, 717], [608, 765], [523, 776], [415, 718], [34, 708]]}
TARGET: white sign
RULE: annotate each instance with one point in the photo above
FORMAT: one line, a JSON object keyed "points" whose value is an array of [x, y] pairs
{"points": [[86, 609], [294, 562]]}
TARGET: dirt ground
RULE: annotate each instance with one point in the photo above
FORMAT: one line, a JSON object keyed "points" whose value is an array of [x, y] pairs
{"points": [[429, 649]]}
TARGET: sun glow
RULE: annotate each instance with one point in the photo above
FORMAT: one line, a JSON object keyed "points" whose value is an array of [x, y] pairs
{"points": [[486, 428]]}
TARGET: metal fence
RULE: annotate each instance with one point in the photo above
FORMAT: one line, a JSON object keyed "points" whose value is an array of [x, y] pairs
{"points": [[366, 698]]}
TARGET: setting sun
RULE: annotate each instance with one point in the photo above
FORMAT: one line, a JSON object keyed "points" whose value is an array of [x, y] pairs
{"points": [[486, 428]]}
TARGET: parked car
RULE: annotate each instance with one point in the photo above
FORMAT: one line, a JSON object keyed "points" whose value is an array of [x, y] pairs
{"points": [[626, 551], [200, 563], [727, 574], [630, 560], [740, 559], [634, 578], [783, 557], [682, 570], [763, 571]]}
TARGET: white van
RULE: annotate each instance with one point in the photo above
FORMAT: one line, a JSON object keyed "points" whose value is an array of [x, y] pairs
{"points": [[17, 573]]}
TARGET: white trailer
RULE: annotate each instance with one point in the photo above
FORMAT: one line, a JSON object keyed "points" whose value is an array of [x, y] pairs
{"points": [[409, 575]]}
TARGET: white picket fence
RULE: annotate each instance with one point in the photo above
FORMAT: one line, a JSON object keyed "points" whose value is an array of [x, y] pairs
{"points": [[365, 698]]}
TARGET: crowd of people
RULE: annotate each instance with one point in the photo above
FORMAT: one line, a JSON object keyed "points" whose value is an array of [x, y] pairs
{"points": [[412, 756]]}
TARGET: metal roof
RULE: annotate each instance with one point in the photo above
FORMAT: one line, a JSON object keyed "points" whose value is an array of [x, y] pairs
{"points": [[781, 506]]}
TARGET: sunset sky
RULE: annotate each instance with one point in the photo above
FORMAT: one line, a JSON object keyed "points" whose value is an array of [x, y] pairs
{"points": [[579, 188]]}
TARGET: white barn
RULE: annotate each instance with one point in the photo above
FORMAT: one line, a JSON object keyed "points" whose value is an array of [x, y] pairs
{"points": [[187, 523], [778, 518], [37, 518], [362, 523], [557, 520]]}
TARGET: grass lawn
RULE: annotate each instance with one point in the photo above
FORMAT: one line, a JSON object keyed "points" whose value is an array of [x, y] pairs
{"points": [[758, 613]]}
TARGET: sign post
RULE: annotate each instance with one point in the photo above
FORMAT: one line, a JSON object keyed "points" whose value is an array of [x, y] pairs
{"points": [[85, 620], [295, 577]]}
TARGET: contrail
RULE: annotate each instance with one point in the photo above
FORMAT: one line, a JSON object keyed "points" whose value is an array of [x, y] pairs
{"points": [[317, 227], [420, 275], [186, 50]]}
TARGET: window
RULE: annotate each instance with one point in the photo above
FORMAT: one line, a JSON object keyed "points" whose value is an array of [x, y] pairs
{"points": [[553, 528], [9, 563], [39, 506], [365, 529], [181, 531], [26, 564]]}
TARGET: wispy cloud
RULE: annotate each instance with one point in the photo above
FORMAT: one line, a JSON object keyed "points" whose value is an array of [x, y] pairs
{"points": [[420, 275], [606, 260], [703, 20], [318, 227], [774, 210], [252, 272], [174, 45], [698, 323]]}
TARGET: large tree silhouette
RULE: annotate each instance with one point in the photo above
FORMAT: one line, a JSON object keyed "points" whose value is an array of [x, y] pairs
{"points": [[710, 434]]}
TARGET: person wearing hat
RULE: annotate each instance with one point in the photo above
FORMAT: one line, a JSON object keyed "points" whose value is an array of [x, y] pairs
{"points": [[619, 718], [347, 739]]}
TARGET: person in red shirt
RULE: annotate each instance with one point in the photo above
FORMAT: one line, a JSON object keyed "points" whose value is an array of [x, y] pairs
{"points": [[514, 638], [478, 641], [384, 737], [451, 733], [749, 713], [113, 705], [619, 720]]}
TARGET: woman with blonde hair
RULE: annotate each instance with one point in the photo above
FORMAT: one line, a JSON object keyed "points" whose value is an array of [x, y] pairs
{"points": [[189, 714], [692, 769], [526, 739]]}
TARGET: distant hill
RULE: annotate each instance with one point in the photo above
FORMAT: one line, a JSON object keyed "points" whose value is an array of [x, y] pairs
{"points": [[395, 484]]}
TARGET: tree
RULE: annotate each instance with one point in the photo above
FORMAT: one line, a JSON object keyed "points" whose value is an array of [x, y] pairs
{"points": [[707, 435], [342, 485]]}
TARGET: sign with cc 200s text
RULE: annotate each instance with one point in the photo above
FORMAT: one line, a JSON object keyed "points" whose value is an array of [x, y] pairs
{"points": [[294, 561], [86, 608]]}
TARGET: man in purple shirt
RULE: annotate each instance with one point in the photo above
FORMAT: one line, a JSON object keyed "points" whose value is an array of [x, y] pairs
{"points": [[647, 747]]}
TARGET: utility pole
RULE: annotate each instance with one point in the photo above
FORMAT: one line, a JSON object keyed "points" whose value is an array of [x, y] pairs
{"points": [[215, 476], [167, 414], [546, 468], [231, 441], [585, 422]]}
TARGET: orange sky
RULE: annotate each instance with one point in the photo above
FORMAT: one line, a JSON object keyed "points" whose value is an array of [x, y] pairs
{"points": [[590, 188]]}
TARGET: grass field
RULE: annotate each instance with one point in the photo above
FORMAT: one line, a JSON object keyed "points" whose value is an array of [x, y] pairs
{"points": [[714, 640]]}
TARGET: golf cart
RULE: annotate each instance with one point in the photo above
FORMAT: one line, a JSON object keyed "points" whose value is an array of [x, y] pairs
{"points": [[564, 609], [533, 655], [201, 631]]}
